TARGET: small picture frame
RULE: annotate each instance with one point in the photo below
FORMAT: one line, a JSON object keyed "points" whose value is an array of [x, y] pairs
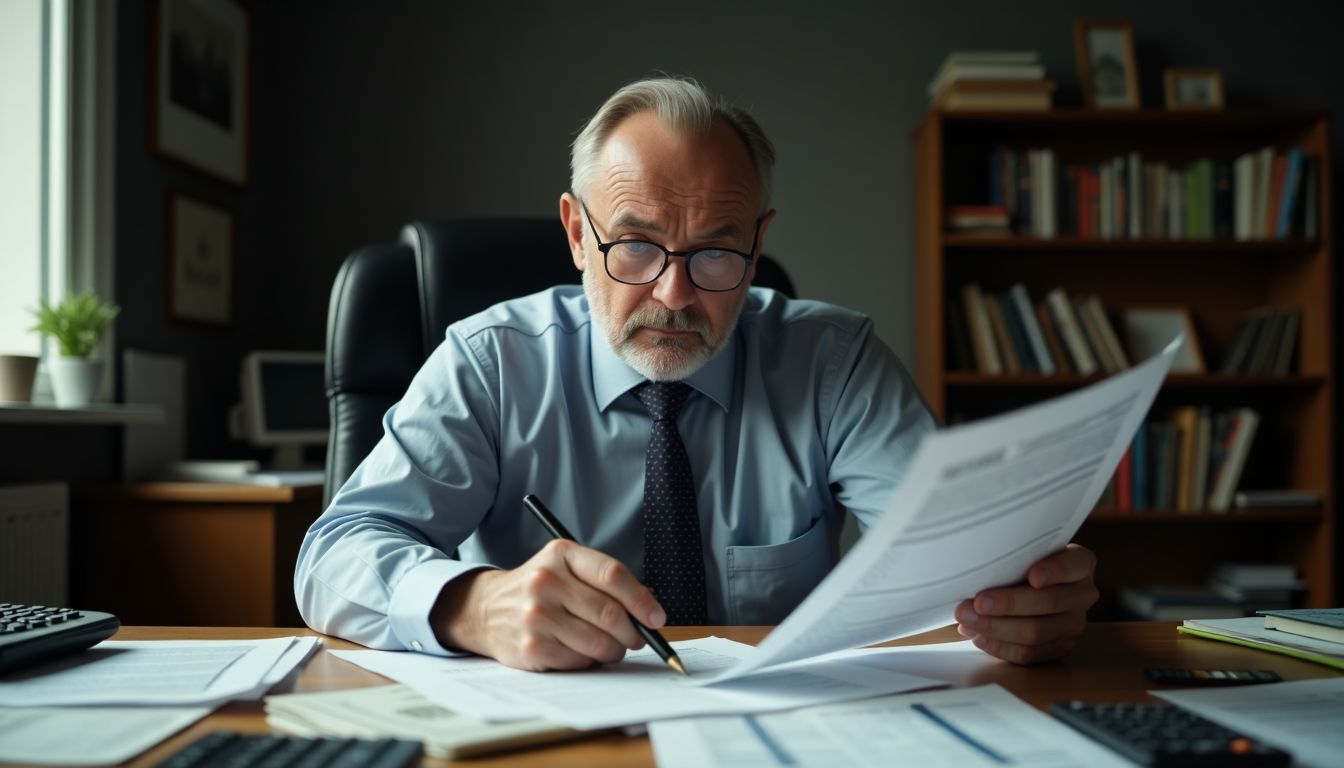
{"points": [[1108, 71], [199, 101], [198, 274], [1193, 88], [1149, 330]]}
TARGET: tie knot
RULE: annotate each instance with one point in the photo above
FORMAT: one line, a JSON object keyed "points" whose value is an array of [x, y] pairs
{"points": [[663, 398]]}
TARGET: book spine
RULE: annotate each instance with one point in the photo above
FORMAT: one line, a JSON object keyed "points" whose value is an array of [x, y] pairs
{"points": [[1290, 176], [1052, 341], [1035, 337], [1095, 341], [1071, 331], [1018, 334], [982, 335], [1140, 467], [1124, 483], [1240, 435], [1264, 171], [1136, 198], [1002, 338], [1244, 187], [1224, 203]]}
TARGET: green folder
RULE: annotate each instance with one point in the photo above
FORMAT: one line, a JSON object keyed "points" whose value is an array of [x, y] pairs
{"points": [[1295, 653]]}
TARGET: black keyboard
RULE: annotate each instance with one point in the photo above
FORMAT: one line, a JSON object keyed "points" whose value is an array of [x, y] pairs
{"points": [[226, 748], [1163, 735], [31, 634]]}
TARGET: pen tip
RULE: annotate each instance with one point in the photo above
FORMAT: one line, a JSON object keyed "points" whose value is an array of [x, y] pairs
{"points": [[675, 663]]}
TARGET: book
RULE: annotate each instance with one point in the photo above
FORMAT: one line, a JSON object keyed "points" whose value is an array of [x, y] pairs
{"points": [[1002, 337], [978, 219], [1018, 334], [1320, 623], [1283, 356], [1107, 331], [986, 351], [1186, 422], [1238, 445], [1095, 342], [963, 69], [1288, 497], [1199, 483], [1025, 95], [1052, 342], [1017, 296], [1291, 174], [1071, 332]]}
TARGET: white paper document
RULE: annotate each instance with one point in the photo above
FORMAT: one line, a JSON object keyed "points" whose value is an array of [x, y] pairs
{"points": [[397, 711], [963, 727], [1303, 717], [637, 690], [87, 735], [157, 672], [980, 504]]}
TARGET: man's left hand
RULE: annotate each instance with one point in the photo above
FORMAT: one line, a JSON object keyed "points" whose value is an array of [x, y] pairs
{"points": [[1040, 620]]}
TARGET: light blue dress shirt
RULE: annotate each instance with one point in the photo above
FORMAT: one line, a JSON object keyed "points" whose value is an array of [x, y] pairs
{"points": [[804, 413]]}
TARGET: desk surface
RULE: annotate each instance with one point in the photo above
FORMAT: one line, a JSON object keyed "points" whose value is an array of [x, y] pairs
{"points": [[1107, 665]]}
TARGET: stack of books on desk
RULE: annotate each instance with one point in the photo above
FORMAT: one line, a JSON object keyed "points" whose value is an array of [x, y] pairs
{"points": [[994, 80]]}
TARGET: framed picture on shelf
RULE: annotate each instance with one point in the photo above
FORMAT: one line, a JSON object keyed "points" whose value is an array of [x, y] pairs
{"points": [[1107, 68], [1148, 331], [199, 267], [199, 99], [1193, 88]]}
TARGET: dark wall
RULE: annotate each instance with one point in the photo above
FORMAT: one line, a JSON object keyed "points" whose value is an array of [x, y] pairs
{"points": [[366, 115]]}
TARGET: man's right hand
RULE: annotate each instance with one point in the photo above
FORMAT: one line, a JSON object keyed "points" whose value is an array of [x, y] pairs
{"points": [[563, 609]]}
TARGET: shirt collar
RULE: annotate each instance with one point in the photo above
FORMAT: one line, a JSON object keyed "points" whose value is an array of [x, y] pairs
{"points": [[612, 377]]}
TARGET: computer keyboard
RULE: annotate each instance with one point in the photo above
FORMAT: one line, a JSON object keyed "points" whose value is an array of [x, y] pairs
{"points": [[226, 748], [31, 634], [1163, 735]]}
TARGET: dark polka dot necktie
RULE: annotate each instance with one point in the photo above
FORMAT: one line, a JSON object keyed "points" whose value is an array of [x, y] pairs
{"points": [[674, 560]]}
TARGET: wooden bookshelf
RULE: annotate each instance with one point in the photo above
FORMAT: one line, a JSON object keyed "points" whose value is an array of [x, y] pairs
{"points": [[1215, 279]]}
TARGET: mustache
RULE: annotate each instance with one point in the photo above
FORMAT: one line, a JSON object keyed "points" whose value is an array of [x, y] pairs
{"points": [[661, 318]]}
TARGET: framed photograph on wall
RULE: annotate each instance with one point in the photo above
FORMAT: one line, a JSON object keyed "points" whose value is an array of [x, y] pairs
{"points": [[1107, 69], [199, 92], [1193, 88], [199, 267]]}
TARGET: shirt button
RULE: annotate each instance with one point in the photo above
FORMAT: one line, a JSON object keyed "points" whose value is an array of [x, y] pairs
{"points": [[415, 645]]}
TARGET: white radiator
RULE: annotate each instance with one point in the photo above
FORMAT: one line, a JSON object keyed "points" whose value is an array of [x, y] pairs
{"points": [[34, 544]]}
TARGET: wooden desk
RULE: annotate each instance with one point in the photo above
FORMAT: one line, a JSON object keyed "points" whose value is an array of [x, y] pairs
{"points": [[195, 554], [1107, 665]]}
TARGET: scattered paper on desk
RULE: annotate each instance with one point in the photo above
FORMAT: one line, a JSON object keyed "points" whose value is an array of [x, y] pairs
{"points": [[639, 689], [396, 711], [1303, 717], [87, 735], [140, 672], [980, 504], [966, 726]]}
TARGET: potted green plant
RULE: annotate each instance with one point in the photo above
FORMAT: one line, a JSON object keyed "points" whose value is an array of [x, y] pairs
{"points": [[77, 324]]}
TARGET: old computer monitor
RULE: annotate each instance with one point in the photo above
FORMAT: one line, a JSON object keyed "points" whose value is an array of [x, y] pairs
{"points": [[284, 404]]}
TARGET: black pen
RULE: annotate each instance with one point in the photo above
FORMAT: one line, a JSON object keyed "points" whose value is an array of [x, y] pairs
{"points": [[651, 636]]}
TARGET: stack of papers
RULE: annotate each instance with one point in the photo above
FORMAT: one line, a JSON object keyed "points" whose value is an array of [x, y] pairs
{"points": [[1251, 632], [639, 689], [120, 697], [970, 726], [399, 712]]}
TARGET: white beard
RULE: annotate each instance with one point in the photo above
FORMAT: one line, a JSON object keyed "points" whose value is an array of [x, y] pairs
{"points": [[660, 359]]}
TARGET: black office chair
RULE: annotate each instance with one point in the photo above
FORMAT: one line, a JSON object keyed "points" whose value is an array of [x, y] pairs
{"points": [[391, 304]]}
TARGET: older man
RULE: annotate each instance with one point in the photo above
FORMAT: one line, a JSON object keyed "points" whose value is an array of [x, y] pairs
{"points": [[703, 438]]}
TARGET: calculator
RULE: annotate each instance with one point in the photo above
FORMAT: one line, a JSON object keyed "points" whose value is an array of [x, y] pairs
{"points": [[1163, 735]]}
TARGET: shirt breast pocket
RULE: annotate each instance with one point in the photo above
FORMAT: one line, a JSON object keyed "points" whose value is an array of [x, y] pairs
{"points": [[765, 583]]}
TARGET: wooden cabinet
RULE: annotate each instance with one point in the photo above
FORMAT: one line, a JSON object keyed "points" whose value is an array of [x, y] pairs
{"points": [[191, 554], [1215, 279]]}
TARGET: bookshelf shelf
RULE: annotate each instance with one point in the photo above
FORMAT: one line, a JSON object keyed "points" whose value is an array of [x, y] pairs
{"points": [[1061, 383], [955, 243], [1294, 516], [1217, 280]]}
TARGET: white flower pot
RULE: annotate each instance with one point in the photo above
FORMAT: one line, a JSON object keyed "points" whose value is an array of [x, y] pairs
{"points": [[74, 380]]}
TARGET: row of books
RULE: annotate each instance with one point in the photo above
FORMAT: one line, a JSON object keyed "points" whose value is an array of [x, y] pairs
{"points": [[1260, 195], [1232, 590], [1263, 342], [1009, 333], [1006, 80], [1191, 461]]}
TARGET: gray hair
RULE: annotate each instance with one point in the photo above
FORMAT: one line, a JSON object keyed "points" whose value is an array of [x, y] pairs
{"points": [[684, 106]]}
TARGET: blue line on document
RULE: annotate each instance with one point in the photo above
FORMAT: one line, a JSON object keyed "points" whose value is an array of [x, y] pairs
{"points": [[960, 734], [784, 758]]}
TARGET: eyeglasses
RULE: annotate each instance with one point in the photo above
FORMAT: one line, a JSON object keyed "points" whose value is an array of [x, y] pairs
{"points": [[639, 262]]}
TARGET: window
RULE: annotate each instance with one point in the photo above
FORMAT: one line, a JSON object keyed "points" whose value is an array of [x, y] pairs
{"points": [[57, 79]]}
